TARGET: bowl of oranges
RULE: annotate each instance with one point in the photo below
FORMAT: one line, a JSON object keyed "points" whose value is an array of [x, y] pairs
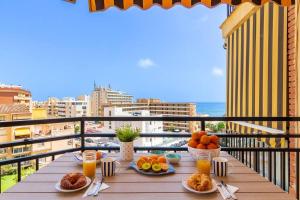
{"points": [[201, 143]]}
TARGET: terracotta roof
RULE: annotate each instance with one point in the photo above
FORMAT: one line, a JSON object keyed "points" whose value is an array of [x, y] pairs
{"points": [[13, 108]]}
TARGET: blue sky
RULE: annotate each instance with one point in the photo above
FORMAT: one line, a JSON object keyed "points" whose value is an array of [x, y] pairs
{"points": [[54, 48]]}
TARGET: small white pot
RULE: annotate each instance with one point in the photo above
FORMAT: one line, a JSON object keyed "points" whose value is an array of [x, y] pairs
{"points": [[126, 151]]}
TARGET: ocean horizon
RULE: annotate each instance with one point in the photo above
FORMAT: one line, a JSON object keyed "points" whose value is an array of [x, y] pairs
{"points": [[212, 109]]}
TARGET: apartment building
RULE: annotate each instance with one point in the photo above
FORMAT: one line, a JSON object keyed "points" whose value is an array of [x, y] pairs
{"points": [[106, 96], [69, 107], [143, 126], [11, 112], [156, 107], [10, 134], [13, 94]]}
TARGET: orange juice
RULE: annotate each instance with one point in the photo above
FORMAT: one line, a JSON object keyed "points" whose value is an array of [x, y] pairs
{"points": [[203, 166], [89, 168]]}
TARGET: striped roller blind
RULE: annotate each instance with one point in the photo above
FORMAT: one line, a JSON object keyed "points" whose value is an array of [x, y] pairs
{"points": [[100, 5], [257, 68]]}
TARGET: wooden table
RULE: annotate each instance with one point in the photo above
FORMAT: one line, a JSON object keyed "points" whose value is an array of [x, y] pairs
{"points": [[130, 185]]}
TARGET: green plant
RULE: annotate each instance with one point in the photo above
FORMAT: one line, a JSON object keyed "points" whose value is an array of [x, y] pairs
{"points": [[215, 127], [127, 133]]}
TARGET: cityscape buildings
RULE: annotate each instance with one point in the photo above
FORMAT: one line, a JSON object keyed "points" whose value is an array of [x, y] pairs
{"points": [[14, 94], [106, 96], [156, 107], [69, 107]]}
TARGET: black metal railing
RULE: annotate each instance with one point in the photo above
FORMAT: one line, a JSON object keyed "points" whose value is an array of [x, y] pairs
{"points": [[249, 148], [230, 9]]}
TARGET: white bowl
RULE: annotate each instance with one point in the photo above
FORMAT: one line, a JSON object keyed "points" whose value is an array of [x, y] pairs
{"points": [[195, 153], [173, 160]]}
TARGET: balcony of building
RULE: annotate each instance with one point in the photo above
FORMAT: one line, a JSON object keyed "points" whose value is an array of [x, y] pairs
{"points": [[258, 165]]}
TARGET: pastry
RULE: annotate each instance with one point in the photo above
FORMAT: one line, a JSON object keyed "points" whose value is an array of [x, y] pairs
{"points": [[73, 181], [200, 182]]}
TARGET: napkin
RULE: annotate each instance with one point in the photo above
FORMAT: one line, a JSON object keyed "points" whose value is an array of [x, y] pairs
{"points": [[224, 193], [104, 186]]}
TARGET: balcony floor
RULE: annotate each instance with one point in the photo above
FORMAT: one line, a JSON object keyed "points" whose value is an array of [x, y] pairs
{"points": [[132, 186]]}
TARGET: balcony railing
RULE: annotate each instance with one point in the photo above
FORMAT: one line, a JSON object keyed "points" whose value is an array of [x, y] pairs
{"points": [[272, 163], [230, 9]]}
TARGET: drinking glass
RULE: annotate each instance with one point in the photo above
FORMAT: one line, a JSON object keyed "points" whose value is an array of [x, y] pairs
{"points": [[204, 163], [89, 163]]}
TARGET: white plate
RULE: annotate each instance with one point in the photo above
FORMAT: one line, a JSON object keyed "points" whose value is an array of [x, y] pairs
{"points": [[78, 158], [214, 187], [59, 188]]}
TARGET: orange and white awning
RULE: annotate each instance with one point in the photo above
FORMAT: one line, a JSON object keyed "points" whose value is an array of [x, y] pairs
{"points": [[100, 5]]}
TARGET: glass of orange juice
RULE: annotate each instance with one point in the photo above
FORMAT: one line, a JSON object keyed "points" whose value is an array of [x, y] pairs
{"points": [[89, 163], [204, 163]]}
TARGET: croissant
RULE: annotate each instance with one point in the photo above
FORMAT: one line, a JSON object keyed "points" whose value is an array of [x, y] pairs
{"points": [[73, 181], [199, 182]]}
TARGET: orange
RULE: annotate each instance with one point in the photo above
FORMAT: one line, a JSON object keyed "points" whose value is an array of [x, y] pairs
{"points": [[205, 139], [192, 143], [150, 160], [201, 133], [154, 157], [212, 146], [195, 136], [153, 162], [140, 163], [214, 139], [201, 146], [162, 159], [144, 157]]}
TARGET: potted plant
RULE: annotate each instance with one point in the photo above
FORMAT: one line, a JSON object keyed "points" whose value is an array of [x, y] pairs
{"points": [[127, 135]]}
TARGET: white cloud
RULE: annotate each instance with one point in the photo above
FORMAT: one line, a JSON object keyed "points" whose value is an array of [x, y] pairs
{"points": [[145, 63], [217, 71]]}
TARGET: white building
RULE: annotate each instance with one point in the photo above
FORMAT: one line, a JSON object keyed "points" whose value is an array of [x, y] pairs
{"points": [[106, 96], [144, 126], [70, 107]]}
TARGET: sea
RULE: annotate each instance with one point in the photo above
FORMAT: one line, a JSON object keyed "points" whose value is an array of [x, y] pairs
{"points": [[212, 109]]}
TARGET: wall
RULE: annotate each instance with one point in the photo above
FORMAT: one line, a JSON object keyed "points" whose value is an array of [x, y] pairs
{"points": [[292, 87]]}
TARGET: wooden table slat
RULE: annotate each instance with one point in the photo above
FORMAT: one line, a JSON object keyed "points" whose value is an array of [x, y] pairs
{"points": [[130, 185]]}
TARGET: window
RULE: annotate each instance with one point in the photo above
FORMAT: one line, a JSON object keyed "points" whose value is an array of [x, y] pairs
{"points": [[41, 144], [21, 149], [2, 151]]}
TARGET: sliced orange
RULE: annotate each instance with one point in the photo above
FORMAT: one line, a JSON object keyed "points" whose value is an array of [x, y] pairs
{"points": [[140, 163], [164, 167]]}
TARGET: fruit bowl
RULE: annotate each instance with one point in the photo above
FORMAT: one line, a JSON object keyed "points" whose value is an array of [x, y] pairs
{"points": [[196, 153], [200, 144]]}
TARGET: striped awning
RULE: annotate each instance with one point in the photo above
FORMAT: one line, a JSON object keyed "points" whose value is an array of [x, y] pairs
{"points": [[22, 132], [100, 5]]}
